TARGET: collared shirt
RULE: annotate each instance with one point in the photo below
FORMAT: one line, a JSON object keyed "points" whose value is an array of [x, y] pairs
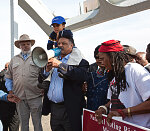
{"points": [[147, 65], [55, 92], [25, 56], [22, 77], [9, 82]]}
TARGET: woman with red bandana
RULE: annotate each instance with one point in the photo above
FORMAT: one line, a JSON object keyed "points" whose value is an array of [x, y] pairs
{"points": [[129, 90]]}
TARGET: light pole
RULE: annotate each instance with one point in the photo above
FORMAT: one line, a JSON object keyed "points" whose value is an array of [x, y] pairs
{"points": [[14, 25]]}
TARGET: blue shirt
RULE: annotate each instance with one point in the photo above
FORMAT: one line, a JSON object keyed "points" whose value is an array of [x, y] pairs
{"points": [[3, 95], [25, 56], [97, 91], [55, 92], [9, 82]]}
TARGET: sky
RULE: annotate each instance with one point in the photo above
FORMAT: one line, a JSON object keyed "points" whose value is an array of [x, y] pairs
{"points": [[130, 30]]}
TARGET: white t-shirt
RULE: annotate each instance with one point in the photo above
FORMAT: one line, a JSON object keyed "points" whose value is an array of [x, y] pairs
{"points": [[138, 91], [1, 126]]}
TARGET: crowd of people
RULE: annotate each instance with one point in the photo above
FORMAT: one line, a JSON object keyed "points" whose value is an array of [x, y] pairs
{"points": [[117, 84]]}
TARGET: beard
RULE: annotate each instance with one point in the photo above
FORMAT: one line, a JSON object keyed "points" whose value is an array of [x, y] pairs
{"points": [[26, 52]]}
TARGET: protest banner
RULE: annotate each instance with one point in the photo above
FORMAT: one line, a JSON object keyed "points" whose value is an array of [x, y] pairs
{"points": [[90, 124]]}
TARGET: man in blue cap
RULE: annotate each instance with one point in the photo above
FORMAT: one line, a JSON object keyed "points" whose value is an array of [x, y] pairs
{"points": [[58, 24]]}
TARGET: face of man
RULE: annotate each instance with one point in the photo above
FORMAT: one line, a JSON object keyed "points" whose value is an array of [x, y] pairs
{"points": [[6, 65], [141, 59], [65, 45], [58, 27], [25, 47], [104, 61], [98, 61]]}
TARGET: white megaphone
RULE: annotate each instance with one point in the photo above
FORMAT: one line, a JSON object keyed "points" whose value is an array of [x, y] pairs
{"points": [[40, 56]]}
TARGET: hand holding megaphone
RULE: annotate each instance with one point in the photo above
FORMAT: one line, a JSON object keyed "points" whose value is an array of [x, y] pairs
{"points": [[40, 57], [52, 62]]}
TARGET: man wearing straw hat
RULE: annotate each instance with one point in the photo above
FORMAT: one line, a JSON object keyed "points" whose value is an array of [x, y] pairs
{"points": [[22, 80]]}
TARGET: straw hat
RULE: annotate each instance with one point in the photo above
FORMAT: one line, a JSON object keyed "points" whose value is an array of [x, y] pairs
{"points": [[22, 38]]}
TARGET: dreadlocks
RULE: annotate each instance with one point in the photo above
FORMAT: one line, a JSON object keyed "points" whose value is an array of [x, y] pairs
{"points": [[118, 59]]}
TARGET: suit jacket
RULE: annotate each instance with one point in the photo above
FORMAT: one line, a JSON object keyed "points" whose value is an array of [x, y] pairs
{"points": [[72, 92], [74, 74]]}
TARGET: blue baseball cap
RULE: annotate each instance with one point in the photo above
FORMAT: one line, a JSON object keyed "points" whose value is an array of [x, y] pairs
{"points": [[58, 20]]}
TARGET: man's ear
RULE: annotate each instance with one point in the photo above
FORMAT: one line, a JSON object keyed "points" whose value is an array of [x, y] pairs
{"points": [[63, 25], [72, 45]]}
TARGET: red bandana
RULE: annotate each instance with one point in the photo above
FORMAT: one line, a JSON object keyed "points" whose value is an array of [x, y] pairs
{"points": [[111, 46]]}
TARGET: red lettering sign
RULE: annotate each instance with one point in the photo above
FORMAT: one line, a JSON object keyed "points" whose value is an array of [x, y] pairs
{"points": [[90, 124]]}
